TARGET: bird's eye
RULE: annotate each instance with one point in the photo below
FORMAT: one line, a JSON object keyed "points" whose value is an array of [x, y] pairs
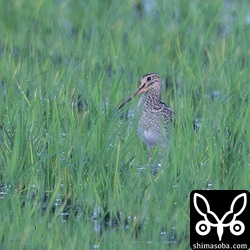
{"points": [[149, 78]]}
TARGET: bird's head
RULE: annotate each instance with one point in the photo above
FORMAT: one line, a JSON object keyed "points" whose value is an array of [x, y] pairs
{"points": [[147, 82]]}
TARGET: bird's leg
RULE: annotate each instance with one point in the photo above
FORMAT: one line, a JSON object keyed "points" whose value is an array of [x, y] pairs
{"points": [[150, 155]]}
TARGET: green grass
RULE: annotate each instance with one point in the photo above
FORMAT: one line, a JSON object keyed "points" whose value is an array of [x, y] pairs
{"points": [[54, 159]]}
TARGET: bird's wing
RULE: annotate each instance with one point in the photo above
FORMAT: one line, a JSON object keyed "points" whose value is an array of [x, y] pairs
{"points": [[167, 113]]}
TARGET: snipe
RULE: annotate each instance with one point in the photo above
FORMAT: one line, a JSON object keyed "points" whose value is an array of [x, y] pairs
{"points": [[155, 116]]}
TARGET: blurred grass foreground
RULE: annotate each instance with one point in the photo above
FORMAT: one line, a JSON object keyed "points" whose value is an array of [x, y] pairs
{"points": [[73, 172]]}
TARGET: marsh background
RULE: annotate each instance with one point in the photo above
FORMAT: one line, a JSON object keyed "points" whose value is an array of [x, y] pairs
{"points": [[73, 172]]}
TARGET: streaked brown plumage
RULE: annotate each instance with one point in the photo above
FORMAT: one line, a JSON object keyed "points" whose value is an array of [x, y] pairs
{"points": [[155, 116]]}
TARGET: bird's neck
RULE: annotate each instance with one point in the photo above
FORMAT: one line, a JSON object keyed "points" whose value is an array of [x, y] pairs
{"points": [[151, 100], [153, 96]]}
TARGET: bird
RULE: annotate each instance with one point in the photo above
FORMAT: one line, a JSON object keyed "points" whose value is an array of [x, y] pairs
{"points": [[155, 117]]}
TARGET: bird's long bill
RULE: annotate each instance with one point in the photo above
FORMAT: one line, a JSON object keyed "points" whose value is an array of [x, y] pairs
{"points": [[125, 102], [137, 92], [141, 89]]}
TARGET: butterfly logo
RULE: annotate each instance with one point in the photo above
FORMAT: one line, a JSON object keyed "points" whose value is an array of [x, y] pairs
{"points": [[203, 227]]}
